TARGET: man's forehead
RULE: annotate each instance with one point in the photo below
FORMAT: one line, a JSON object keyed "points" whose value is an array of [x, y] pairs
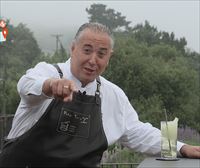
{"points": [[88, 37]]}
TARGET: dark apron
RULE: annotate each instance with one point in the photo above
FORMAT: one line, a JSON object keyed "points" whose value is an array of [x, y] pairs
{"points": [[67, 135]]}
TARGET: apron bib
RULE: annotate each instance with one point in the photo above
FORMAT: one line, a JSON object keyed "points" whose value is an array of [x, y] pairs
{"points": [[67, 135]]}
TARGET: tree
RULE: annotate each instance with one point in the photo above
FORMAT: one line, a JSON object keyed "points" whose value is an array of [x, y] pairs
{"points": [[60, 55], [16, 55], [150, 35], [155, 77], [146, 33], [193, 59], [114, 20]]}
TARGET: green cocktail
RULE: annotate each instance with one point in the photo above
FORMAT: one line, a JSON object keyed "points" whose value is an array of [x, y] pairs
{"points": [[169, 139]]}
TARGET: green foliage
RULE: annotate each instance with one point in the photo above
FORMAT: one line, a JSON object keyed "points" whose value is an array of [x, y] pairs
{"points": [[125, 156], [114, 20], [60, 56], [146, 33], [151, 36], [19, 53], [193, 59], [151, 66], [155, 77], [16, 55]]}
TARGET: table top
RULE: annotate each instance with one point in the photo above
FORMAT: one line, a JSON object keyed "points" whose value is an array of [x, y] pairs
{"points": [[151, 162]]}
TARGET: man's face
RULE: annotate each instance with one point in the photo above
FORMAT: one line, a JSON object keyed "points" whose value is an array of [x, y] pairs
{"points": [[90, 55]]}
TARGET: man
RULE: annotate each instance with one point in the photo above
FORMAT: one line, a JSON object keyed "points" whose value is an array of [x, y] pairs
{"points": [[69, 114]]}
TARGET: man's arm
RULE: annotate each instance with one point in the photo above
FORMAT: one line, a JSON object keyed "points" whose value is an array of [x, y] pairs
{"points": [[190, 151], [145, 138], [59, 88], [30, 85], [43, 82]]}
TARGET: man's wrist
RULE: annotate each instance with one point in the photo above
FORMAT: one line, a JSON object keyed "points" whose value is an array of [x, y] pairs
{"points": [[47, 88], [179, 146]]}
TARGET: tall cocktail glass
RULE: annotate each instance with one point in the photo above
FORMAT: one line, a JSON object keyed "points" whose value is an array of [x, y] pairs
{"points": [[169, 139]]}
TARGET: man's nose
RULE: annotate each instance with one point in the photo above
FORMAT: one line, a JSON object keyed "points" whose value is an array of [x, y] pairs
{"points": [[93, 57]]}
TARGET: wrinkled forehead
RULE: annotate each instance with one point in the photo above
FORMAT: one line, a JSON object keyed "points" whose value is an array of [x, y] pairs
{"points": [[95, 36]]}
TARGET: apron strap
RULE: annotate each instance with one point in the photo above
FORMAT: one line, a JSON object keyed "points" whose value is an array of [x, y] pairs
{"points": [[98, 86], [97, 93], [59, 70]]}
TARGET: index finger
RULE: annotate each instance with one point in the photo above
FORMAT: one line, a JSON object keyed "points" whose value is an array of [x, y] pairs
{"points": [[71, 86]]}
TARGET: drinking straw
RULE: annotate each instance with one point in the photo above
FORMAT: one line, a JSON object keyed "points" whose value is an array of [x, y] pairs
{"points": [[166, 120]]}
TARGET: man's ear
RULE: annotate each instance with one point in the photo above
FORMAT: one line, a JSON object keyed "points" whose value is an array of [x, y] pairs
{"points": [[72, 48]]}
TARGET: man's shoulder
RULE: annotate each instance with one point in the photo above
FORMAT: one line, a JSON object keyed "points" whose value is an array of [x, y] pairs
{"points": [[45, 69], [43, 65], [50, 66], [46, 64], [111, 87]]}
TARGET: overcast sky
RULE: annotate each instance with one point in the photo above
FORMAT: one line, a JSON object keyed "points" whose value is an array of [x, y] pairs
{"points": [[51, 17]]}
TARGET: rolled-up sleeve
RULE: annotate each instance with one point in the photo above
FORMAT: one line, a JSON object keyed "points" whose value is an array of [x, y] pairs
{"points": [[141, 137], [30, 84]]}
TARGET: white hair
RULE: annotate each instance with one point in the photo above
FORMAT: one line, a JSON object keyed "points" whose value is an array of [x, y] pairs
{"points": [[96, 27]]}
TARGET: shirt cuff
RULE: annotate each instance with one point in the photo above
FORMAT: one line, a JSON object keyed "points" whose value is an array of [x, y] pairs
{"points": [[36, 88], [179, 146]]}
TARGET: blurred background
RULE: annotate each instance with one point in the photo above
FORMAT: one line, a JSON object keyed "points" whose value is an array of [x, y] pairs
{"points": [[156, 56]]}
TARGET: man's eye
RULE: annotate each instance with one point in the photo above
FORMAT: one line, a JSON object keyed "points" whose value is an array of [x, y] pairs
{"points": [[101, 54], [87, 51]]}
